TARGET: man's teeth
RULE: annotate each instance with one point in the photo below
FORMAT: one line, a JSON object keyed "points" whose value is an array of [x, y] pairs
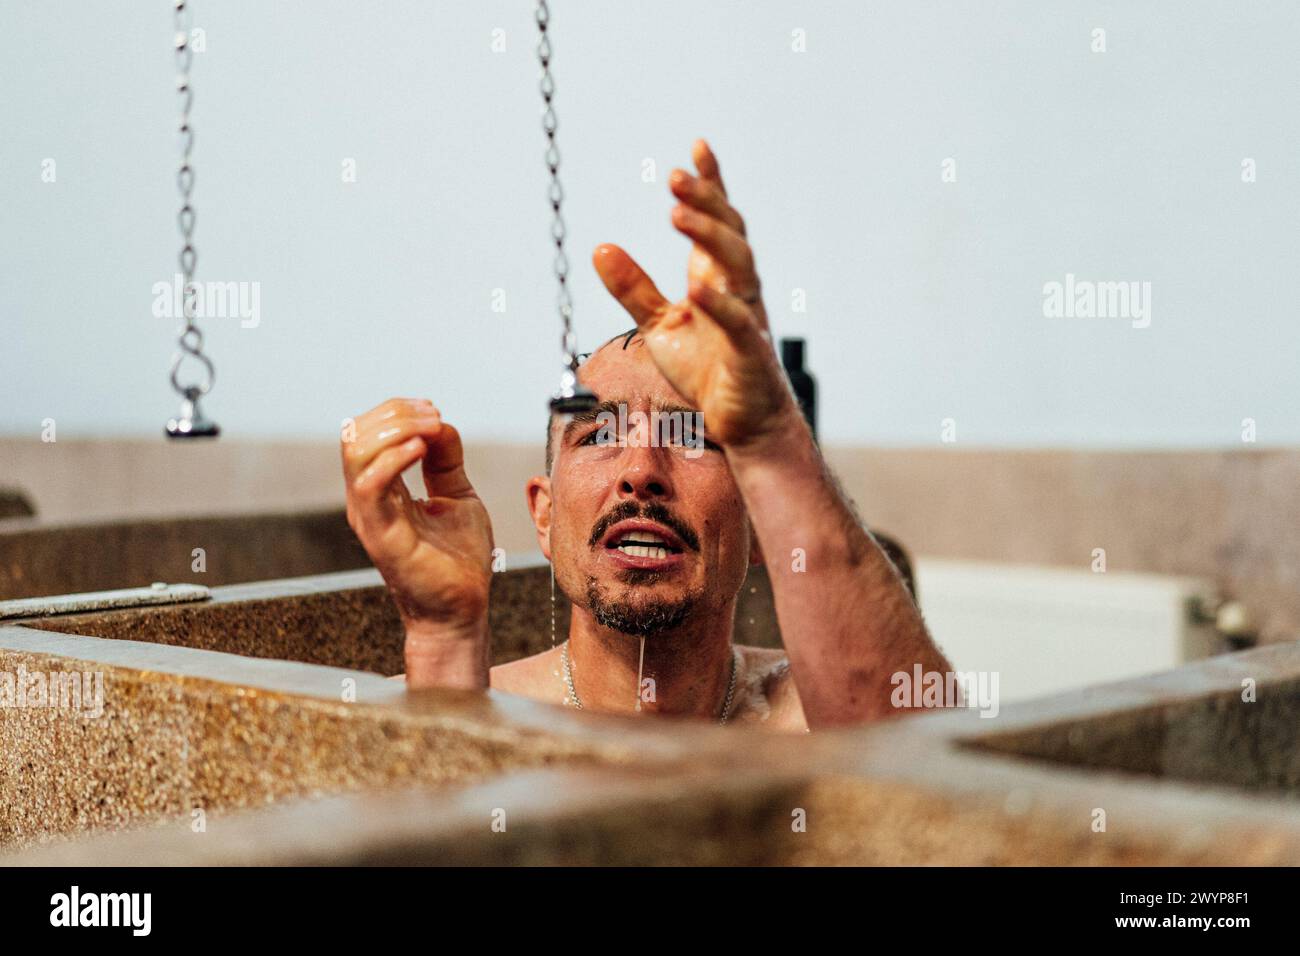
{"points": [[643, 550], [644, 545]]}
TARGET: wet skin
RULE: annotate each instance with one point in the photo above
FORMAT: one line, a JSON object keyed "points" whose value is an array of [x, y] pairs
{"points": [[577, 512], [759, 485]]}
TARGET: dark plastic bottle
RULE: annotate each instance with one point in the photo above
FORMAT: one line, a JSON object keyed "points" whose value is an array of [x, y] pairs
{"points": [[805, 386]]}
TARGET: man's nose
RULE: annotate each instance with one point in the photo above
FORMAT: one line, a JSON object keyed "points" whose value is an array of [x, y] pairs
{"points": [[644, 473]]}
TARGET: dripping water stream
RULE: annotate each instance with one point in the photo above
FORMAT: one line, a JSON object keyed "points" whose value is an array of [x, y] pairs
{"points": [[639, 667]]}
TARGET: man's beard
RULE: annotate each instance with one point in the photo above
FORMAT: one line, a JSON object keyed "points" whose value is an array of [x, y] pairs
{"points": [[644, 618]]}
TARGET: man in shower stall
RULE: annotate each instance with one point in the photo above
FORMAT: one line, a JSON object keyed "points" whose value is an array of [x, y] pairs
{"points": [[650, 531]]}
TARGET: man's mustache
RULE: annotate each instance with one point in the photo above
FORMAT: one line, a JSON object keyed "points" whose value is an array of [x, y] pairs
{"points": [[652, 512]]}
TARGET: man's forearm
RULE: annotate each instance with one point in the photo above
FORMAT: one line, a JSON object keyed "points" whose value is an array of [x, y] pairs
{"points": [[846, 617], [444, 657]]}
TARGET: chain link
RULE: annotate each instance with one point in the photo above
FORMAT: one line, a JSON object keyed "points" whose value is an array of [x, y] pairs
{"points": [[191, 339], [555, 193]]}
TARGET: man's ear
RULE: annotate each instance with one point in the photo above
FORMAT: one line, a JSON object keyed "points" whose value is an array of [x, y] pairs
{"points": [[538, 490]]}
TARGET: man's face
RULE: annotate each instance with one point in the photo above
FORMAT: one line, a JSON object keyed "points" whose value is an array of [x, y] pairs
{"points": [[645, 526]]}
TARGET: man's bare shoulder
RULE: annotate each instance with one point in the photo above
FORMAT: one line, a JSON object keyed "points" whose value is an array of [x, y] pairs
{"points": [[537, 677], [768, 696]]}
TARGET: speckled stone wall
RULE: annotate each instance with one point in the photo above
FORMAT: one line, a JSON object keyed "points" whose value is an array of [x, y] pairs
{"points": [[264, 707], [39, 558], [218, 732], [1216, 737], [290, 771], [340, 619], [346, 619]]}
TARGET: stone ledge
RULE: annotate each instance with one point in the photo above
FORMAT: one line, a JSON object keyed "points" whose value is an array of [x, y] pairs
{"points": [[200, 729]]}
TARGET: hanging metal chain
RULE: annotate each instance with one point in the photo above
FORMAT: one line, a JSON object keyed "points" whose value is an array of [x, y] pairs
{"points": [[556, 191], [571, 396], [191, 422]]}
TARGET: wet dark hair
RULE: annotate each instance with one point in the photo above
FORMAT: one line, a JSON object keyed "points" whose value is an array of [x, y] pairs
{"points": [[627, 338]]}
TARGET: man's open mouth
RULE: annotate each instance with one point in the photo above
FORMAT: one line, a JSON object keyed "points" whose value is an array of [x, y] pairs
{"points": [[643, 545], [643, 539]]}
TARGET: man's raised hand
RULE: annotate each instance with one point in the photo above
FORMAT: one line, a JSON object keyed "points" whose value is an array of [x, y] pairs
{"points": [[713, 346], [435, 555], [720, 254]]}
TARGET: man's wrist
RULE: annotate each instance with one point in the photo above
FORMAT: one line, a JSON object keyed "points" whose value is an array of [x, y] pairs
{"points": [[785, 430], [443, 655]]}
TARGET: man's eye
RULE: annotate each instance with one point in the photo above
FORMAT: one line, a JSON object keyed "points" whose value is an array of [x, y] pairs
{"points": [[687, 437], [692, 437]]}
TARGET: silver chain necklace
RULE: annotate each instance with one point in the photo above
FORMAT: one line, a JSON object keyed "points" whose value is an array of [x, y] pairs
{"points": [[571, 692]]}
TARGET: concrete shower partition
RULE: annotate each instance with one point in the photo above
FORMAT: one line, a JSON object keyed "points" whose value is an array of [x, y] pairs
{"points": [[346, 619], [267, 553], [40, 558], [287, 762], [182, 731]]}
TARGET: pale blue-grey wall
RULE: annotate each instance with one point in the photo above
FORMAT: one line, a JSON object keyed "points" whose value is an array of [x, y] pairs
{"points": [[924, 298]]}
